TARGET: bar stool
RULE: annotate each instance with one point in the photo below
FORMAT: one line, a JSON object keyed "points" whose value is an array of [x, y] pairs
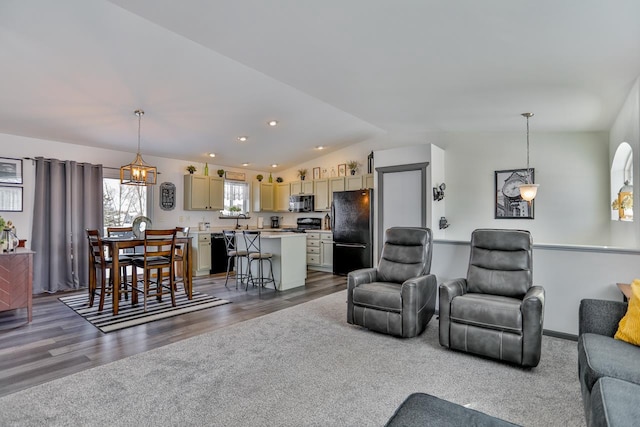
{"points": [[236, 255], [253, 244]]}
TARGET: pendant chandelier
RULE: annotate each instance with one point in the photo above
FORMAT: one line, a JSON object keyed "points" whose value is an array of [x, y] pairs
{"points": [[529, 190], [138, 172]]}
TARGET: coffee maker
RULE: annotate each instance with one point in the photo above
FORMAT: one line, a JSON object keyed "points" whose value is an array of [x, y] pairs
{"points": [[275, 222]]}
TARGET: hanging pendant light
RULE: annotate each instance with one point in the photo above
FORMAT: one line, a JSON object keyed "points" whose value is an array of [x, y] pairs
{"points": [[529, 190], [138, 172]]}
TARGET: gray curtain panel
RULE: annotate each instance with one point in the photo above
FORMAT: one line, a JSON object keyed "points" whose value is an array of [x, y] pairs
{"points": [[68, 200]]}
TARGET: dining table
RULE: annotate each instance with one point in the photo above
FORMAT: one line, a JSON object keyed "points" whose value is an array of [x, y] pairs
{"points": [[115, 244]]}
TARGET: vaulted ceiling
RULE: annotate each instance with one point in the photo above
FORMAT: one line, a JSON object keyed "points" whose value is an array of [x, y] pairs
{"points": [[331, 72]]}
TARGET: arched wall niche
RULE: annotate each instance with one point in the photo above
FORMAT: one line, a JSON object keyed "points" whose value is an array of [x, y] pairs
{"points": [[622, 183]]}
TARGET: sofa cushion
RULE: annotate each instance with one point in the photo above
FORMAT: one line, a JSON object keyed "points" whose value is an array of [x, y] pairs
{"points": [[379, 295], [600, 356], [614, 402], [488, 311], [629, 326]]}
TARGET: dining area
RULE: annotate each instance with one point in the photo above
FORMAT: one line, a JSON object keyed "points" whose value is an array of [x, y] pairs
{"points": [[128, 264]]}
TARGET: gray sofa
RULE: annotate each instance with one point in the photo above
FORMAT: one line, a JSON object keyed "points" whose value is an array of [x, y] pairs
{"points": [[609, 369]]}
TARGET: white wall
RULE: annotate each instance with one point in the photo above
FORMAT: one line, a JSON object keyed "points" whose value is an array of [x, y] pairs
{"points": [[626, 128], [572, 206]]}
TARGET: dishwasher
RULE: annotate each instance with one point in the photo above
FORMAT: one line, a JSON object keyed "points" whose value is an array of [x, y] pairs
{"points": [[218, 254]]}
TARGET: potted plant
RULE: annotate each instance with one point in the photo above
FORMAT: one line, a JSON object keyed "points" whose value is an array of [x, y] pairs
{"points": [[191, 169], [302, 173], [234, 210], [259, 177], [353, 166], [220, 172]]}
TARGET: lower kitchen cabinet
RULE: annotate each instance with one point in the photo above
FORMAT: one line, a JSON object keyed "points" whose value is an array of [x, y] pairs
{"points": [[201, 245], [320, 250]]}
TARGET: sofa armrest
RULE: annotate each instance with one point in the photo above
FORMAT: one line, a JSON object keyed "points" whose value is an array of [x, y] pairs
{"points": [[532, 310], [418, 303], [600, 317], [354, 279], [447, 292]]}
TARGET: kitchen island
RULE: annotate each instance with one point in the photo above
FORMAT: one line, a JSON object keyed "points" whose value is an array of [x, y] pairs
{"points": [[289, 257]]}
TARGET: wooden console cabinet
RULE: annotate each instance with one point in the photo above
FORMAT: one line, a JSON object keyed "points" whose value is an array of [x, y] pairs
{"points": [[16, 277]]}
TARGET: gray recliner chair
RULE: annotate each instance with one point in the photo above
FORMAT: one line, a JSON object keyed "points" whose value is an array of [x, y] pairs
{"points": [[399, 296], [496, 311]]}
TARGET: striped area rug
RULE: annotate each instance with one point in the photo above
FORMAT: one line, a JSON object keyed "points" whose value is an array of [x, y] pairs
{"points": [[132, 316]]}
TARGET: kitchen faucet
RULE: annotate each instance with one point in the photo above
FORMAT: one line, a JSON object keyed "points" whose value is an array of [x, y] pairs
{"points": [[238, 219]]}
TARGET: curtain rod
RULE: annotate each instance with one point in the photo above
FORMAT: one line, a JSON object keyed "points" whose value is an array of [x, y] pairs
{"points": [[103, 167]]}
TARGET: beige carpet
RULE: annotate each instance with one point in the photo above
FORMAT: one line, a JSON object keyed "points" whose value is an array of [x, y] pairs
{"points": [[302, 366]]}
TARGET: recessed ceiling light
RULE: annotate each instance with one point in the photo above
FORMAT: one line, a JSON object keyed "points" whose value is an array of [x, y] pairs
{"points": [[320, 147], [274, 165], [272, 122], [245, 164], [212, 154], [242, 138]]}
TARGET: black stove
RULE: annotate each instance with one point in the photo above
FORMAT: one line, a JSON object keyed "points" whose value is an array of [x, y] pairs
{"points": [[304, 224]]}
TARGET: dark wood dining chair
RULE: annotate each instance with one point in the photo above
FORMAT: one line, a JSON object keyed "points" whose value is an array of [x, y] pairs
{"points": [[181, 266], [100, 262], [124, 257], [159, 255]]}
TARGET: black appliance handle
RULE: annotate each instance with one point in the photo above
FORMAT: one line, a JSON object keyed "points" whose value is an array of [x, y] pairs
{"points": [[351, 245], [333, 217]]}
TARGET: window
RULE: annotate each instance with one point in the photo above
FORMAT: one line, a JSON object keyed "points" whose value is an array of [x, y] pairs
{"points": [[121, 204], [236, 198]]}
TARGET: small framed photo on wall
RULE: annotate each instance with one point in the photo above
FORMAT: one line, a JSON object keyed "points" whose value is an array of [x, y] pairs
{"points": [[342, 169], [10, 171], [508, 202], [10, 199], [316, 173]]}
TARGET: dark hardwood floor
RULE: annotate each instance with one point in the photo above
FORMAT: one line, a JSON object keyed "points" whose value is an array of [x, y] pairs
{"points": [[59, 342]]}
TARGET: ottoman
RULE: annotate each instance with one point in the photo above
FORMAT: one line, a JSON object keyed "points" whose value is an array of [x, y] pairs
{"points": [[420, 409]]}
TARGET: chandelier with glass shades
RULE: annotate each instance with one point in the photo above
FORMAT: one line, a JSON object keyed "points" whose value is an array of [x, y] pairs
{"points": [[528, 190], [138, 172]]}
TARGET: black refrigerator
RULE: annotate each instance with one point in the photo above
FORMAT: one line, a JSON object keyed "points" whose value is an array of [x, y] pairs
{"points": [[352, 225]]}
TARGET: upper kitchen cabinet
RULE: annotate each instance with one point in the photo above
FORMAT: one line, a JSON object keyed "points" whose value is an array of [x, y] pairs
{"points": [[335, 184], [262, 197], [321, 195], [302, 187], [281, 194], [357, 182], [203, 193]]}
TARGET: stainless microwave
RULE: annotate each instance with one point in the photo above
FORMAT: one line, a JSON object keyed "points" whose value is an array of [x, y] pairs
{"points": [[301, 203]]}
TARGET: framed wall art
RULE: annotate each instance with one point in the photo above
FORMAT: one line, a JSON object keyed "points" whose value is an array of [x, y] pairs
{"points": [[316, 173], [342, 169], [10, 171], [10, 199], [167, 196], [508, 202]]}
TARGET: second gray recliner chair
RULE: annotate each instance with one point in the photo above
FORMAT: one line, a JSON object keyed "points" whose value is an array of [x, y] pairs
{"points": [[399, 296], [495, 311]]}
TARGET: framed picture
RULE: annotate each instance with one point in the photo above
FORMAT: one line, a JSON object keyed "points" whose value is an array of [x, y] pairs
{"points": [[10, 199], [167, 196], [10, 171], [342, 169], [316, 173], [509, 203]]}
